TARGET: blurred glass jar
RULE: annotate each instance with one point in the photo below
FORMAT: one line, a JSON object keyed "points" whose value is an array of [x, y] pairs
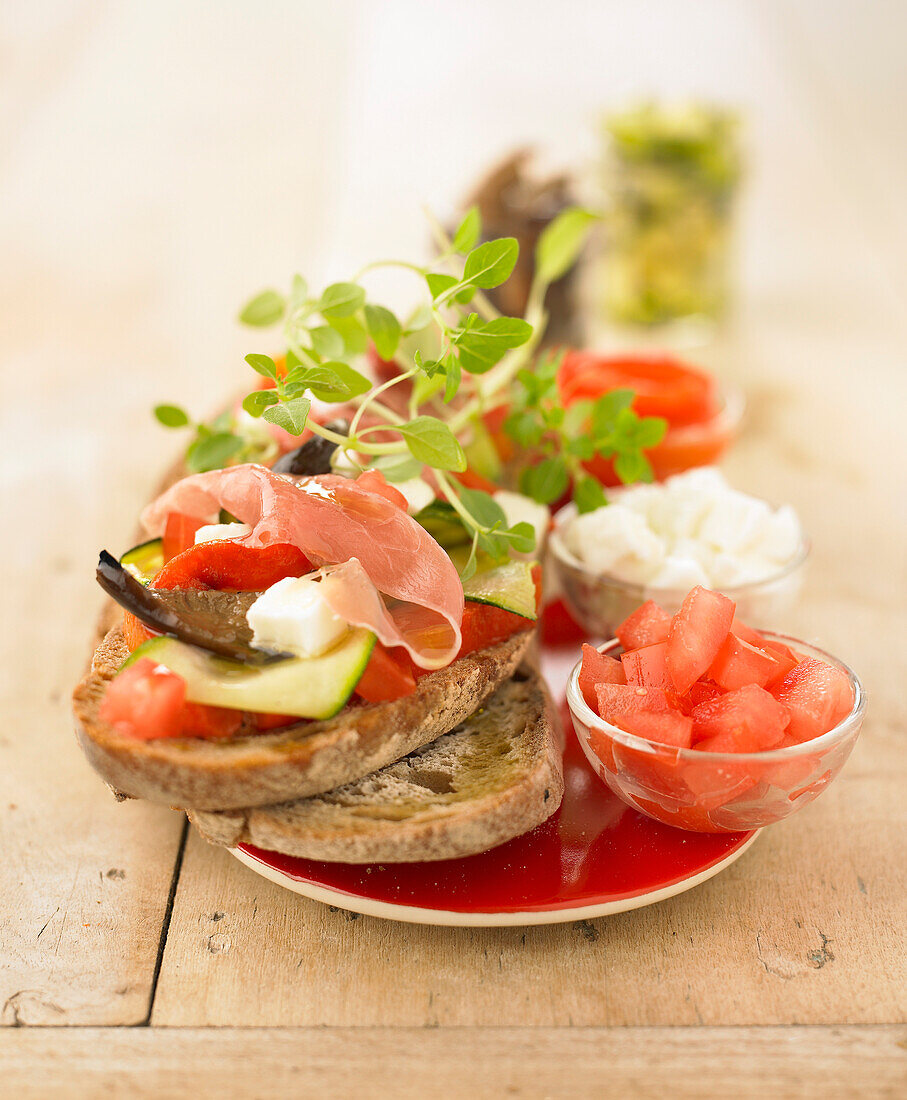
{"points": [[672, 176]]}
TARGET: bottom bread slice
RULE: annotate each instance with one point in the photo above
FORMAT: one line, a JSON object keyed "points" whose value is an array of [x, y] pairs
{"points": [[495, 776]]}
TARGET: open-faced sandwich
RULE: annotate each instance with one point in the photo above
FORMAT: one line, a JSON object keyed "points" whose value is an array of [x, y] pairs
{"points": [[319, 636], [324, 645]]}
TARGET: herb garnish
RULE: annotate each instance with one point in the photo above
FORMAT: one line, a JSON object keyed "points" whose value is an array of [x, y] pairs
{"points": [[480, 361]]}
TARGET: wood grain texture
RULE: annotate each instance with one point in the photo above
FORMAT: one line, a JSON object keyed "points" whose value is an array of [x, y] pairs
{"points": [[416, 1063]]}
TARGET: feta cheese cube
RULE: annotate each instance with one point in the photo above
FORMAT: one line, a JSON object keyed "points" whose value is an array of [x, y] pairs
{"points": [[617, 541], [679, 573], [212, 531], [419, 494], [292, 615]]}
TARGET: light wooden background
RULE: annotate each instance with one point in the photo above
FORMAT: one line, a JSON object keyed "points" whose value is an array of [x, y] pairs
{"points": [[160, 161]]}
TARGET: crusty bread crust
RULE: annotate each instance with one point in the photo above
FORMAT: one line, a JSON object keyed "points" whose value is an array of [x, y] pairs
{"points": [[494, 777], [291, 763]]}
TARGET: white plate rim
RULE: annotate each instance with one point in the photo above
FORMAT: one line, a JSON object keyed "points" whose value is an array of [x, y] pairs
{"points": [[411, 914]]}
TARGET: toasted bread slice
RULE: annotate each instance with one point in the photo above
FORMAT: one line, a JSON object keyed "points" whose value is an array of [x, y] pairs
{"points": [[494, 777], [294, 762]]}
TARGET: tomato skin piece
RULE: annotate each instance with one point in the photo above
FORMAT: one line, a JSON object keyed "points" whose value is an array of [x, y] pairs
{"points": [[375, 482], [646, 667], [134, 631], [616, 699], [817, 696], [697, 632], [739, 663], [387, 676], [647, 625], [749, 716], [179, 534], [598, 668], [228, 564], [145, 702], [265, 722]]}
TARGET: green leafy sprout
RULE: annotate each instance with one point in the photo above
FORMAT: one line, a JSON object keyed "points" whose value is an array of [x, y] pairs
{"points": [[461, 358]]}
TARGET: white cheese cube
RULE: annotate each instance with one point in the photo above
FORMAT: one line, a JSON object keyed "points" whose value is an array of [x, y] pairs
{"points": [[419, 494], [781, 537], [212, 531], [617, 541], [679, 573], [518, 508], [735, 522], [292, 615]]}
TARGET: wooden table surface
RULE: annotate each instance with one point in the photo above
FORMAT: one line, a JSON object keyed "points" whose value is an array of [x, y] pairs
{"points": [[146, 192]]}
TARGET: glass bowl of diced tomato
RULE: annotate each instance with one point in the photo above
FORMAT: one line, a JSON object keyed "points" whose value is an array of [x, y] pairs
{"points": [[703, 419], [724, 757]]}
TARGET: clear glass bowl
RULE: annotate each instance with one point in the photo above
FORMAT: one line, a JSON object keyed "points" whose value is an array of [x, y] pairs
{"points": [[712, 792], [600, 602]]}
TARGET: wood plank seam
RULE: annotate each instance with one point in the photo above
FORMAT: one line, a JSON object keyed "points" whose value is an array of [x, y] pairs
{"points": [[165, 926]]}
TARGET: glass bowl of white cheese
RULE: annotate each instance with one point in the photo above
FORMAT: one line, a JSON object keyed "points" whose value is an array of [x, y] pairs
{"points": [[657, 541]]}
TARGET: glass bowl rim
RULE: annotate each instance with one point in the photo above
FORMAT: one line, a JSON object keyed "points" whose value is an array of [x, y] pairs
{"points": [[580, 708], [563, 556]]}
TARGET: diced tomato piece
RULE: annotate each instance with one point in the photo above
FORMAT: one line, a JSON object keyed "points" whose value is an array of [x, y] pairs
{"points": [[179, 534], [817, 695], [666, 727], [134, 631], [558, 627], [227, 564], [697, 632], [148, 702], [373, 481], [786, 660], [747, 633], [715, 783], [702, 692], [598, 668], [749, 714], [212, 723], [484, 625], [648, 625], [265, 722], [471, 479], [145, 701], [740, 739], [388, 675], [738, 663], [646, 667], [615, 699]]}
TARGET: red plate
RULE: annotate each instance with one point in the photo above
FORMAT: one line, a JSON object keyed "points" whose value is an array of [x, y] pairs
{"points": [[595, 856]]}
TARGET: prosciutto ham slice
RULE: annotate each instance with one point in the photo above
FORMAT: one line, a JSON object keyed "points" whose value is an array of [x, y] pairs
{"points": [[379, 550]]}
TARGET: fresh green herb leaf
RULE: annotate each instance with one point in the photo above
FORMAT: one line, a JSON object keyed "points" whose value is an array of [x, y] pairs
{"points": [[632, 466], [438, 282], [384, 329], [425, 387], [344, 382], [607, 408], [355, 338], [483, 508], [290, 415], [326, 341], [561, 242], [491, 263], [212, 451], [264, 309], [171, 416], [431, 441], [525, 428], [263, 365], [547, 481], [420, 318], [588, 495], [480, 346], [453, 376], [257, 401], [299, 291], [468, 231], [522, 537], [341, 300]]}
